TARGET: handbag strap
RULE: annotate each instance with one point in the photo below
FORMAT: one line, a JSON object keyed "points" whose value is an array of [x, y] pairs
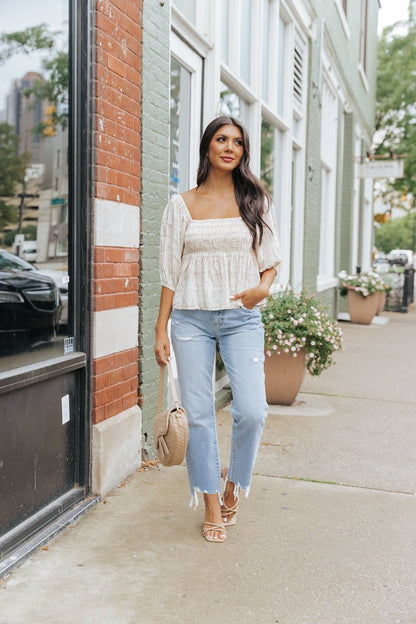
{"points": [[172, 386]]}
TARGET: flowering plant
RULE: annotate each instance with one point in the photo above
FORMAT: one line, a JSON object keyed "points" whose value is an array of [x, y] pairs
{"points": [[297, 321], [364, 284]]}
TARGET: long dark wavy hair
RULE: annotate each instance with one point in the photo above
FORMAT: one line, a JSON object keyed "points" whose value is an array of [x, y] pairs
{"points": [[250, 194]]}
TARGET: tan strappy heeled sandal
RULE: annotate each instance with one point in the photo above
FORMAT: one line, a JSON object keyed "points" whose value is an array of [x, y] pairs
{"points": [[229, 514], [217, 529]]}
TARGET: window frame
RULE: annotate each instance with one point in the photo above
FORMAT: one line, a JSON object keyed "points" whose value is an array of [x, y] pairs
{"points": [[328, 172]]}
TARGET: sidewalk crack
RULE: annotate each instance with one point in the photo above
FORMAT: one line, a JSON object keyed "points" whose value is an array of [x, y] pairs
{"points": [[337, 483]]}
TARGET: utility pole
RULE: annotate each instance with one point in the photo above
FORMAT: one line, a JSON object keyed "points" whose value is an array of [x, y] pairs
{"points": [[23, 195]]}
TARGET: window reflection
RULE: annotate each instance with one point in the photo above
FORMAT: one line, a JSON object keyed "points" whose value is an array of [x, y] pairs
{"points": [[230, 102], [180, 102], [281, 66], [33, 181], [245, 40], [267, 155]]}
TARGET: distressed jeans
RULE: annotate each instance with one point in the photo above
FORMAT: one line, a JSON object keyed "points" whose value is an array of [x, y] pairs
{"points": [[240, 338]]}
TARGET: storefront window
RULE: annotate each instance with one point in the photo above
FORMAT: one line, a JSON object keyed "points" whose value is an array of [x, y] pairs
{"points": [[267, 155], [180, 101], [266, 49], [245, 40], [34, 278], [232, 104], [281, 67], [225, 30]]}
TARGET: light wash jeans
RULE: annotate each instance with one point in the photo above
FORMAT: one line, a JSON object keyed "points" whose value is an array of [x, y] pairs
{"points": [[240, 338]]}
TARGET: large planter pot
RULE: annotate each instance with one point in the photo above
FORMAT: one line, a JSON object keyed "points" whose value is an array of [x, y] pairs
{"points": [[361, 309], [381, 300], [284, 376]]}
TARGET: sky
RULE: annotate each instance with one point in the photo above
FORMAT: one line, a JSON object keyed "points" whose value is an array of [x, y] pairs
{"points": [[391, 11], [51, 12]]}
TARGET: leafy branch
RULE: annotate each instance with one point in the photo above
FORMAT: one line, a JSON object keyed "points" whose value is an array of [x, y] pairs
{"points": [[53, 89]]}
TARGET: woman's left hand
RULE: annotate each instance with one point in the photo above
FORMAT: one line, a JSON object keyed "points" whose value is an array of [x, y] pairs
{"points": [[251, 297]]}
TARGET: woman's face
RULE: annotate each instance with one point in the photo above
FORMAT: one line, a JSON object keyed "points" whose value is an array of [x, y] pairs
{"points": [[226, 148]]}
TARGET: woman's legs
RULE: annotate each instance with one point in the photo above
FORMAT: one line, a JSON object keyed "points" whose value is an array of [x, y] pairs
{"points": [[194, 345], [241, 344], [239, 334]]}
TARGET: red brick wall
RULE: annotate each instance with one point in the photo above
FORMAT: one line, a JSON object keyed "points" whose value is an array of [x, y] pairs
{"points": [[115, 384], [117, 87], [117, 174], [116, 277]]}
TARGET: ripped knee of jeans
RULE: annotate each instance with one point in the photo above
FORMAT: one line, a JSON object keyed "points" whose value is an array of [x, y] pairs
{"points": [[182, 338]]}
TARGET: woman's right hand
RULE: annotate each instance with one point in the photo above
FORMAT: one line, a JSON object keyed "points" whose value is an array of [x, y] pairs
{"points": [[162, 347]]}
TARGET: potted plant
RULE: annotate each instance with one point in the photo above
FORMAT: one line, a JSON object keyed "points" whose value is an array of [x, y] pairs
{"points": [[299, 336], [362, 290]]}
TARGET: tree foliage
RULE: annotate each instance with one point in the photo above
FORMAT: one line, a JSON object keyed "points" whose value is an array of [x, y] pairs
{"points": [[12, 171], [12, 164], [26, 41], [397, 234], [54, 89], [396, 96], [30, 232]]}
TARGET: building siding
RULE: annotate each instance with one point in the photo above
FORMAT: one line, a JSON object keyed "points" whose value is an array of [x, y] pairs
{"points": [[155, 189]]}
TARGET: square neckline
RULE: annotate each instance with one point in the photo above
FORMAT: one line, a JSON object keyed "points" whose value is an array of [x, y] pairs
{"points": [[213, 219]]}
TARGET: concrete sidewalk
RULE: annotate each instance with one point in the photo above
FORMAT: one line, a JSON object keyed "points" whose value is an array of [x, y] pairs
{"points": [[327, 536]]}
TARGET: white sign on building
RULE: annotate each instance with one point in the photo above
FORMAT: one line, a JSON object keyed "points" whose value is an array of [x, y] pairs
{"points": [[381, 169]]}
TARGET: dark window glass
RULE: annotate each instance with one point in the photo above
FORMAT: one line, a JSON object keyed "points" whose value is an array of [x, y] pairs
{"points": [[34, 278]]}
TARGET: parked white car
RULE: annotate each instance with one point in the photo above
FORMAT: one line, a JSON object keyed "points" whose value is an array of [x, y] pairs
{"points": [[401, 256]]}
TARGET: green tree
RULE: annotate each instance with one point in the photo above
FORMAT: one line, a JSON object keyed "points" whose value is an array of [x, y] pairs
{"points": [[30, 232], [396, 96], [397, 234], [12, 171], [56, 69]]}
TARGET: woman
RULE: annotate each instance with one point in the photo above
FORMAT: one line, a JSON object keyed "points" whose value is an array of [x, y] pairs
{"points": [[219, 253]]}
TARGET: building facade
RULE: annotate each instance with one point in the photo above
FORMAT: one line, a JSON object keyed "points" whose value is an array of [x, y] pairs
{"points": [[143, 79]]}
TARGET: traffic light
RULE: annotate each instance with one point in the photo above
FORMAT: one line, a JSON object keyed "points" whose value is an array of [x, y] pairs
{"points": [[49, 120]]}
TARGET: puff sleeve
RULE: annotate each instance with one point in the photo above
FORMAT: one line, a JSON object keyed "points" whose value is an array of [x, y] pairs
{"points": [[268, 252], [172, 232]]}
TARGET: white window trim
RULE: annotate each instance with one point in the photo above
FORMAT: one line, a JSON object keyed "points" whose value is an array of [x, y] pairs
{"points": [[367, 224], [325, 283], [356, 201], [329, 163], [188, 33], [343, 19], [363, 76]]}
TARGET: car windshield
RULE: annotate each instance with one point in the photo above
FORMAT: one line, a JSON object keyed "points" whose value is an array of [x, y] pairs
{"points": [[8, 262]]}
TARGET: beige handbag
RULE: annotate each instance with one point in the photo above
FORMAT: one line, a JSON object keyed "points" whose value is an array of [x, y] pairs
{"points": [[170, 428]]}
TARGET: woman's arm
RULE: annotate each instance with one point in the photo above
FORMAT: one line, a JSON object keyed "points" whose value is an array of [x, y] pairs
{"points": [[162, 344], [252, 296]]}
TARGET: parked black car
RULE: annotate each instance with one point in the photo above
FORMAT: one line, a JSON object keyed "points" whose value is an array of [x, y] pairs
{"points": [[30, 305]]}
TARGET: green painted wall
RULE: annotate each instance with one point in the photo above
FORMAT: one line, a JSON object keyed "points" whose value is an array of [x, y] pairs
{"points": [[313, 176], [347, 52], [155, 189]]}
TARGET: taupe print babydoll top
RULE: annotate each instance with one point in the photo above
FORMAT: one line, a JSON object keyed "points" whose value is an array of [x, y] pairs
{"points": [[206, 261]]}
